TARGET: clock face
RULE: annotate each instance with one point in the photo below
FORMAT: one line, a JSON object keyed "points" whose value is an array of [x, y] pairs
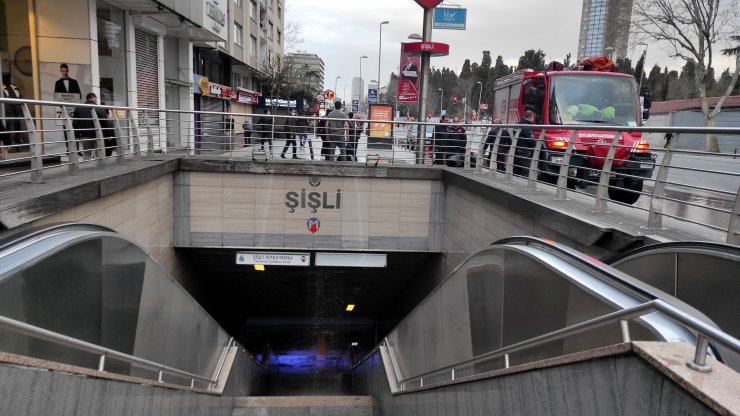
{"points": [[23, 61]]}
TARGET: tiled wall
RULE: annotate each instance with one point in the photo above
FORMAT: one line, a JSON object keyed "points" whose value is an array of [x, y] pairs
{"points": [[142, 213], [253, 210]]}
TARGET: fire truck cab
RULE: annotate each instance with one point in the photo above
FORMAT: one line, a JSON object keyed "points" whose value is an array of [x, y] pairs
{"points": [[566, 98]]}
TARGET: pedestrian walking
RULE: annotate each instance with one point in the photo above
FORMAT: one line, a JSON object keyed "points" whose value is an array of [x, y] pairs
{"points": [[290, 132]]}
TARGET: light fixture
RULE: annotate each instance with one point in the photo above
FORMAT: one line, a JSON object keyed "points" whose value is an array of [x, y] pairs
{"points": [[259, 155], [259, 267], [350, 307], [415, 36]]}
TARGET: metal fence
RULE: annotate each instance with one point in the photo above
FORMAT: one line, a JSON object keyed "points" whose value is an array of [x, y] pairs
{"points": [[661, 181]]}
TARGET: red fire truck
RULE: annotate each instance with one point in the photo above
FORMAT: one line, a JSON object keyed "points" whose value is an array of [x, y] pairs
{"points": [[567, 97]]}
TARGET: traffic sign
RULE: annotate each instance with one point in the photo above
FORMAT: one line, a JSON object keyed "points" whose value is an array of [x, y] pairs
{"points": [[483, 106], [329, 95]]}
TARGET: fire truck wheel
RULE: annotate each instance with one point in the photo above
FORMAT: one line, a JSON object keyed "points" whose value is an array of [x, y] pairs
{"points": [[629, 194]]}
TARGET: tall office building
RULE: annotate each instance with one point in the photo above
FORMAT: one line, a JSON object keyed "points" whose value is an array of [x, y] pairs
{"points": [[605, 27], [309, 68]]}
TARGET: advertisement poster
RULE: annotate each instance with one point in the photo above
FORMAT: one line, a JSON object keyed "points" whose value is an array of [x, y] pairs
{"points": [[381, 124], [408, 84]]}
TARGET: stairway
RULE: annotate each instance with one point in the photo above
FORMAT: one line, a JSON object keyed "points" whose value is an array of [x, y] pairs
{"points": [[304, 406]]}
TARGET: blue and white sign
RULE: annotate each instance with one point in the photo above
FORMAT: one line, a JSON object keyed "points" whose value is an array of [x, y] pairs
{"points": [[355, 106], [449, 18], [372, 95]]}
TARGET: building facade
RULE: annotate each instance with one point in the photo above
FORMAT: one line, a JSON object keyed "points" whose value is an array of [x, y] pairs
{"points": [[309, 68], [140, 53], [605, 26]]}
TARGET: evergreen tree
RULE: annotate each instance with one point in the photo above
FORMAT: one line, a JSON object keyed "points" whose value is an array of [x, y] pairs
{"points": [[655, 83], [465, 73], [532, 59]]}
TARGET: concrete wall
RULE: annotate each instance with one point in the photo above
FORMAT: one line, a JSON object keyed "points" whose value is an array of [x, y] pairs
{"points": [[256, 210], [617, 385], [142, 212], [29, 388]]}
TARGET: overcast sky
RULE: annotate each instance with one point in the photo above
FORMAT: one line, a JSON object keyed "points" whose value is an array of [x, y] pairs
{"points": [[340, 31]]}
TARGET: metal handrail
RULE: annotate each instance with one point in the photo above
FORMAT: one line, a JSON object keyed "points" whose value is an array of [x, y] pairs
{"points": [[148, 130], [705, 332], [104, 353]]}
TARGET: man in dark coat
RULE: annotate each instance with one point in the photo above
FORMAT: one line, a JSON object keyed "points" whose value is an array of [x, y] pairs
{"points": [[455, 155], [503, 145], [441, 138], [84, 125], [265, 130], [525, 145]]}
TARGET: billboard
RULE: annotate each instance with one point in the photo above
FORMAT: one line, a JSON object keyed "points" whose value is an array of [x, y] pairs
{"points": [[372, 94], [381, 125], [449, 18], [408, 83]]}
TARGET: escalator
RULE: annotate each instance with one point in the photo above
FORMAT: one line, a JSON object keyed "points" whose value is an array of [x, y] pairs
{"points": [[499, 308], [94, 285], [705, 275]]}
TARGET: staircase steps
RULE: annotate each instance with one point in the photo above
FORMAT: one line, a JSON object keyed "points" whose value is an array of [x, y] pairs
{"points": [[304, 406]]}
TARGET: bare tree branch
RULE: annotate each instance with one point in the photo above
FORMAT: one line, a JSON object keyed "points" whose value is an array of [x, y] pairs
{"points": [[693, 28]]}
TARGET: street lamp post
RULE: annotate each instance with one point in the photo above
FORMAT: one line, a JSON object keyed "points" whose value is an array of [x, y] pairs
{"points": [[360, 87], [480, 94], [441, 96], [335, 83], [380, 48]]}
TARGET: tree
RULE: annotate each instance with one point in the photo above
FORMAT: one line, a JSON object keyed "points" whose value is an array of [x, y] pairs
{"points": [[692, 28], [566, 61], [656, 83], [466, 73], [532, 59]]}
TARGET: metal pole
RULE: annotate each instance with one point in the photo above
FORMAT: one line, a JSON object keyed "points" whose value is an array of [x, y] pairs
{"points": [[424, 82], [380, 48], [480, 94], [441, 96]]}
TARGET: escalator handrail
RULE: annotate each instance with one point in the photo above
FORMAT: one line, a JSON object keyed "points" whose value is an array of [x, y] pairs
{"points": [[593, 264], [691, 245], [29, 234]]}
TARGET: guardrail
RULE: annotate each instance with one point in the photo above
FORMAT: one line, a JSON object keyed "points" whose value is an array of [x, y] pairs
{"points": [[693, 186], [106, 353], [699, 363]]}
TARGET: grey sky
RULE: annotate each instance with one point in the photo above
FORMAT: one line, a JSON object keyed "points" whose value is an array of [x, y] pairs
{"points": [[340, 31]]}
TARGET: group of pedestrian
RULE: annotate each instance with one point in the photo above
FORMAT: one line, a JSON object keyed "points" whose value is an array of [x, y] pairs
{"points": [[524, 148], [339, 133], [450, 141]]}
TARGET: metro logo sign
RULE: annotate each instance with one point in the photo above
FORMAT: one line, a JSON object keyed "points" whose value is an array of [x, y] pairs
{"points": [[428, 4]]}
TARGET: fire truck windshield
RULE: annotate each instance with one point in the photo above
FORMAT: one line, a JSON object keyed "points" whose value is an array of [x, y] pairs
{"points": [[593, 98]]}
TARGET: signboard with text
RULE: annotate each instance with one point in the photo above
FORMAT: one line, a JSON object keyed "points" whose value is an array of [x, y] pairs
{"points": [[449, 18], [273, 258]]}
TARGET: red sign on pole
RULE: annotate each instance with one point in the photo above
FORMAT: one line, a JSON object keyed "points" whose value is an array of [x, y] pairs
{"points": [[408, 83], [428, 4], [483, 106]]}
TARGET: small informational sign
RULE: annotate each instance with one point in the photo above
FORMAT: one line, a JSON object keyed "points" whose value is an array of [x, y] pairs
{"points": [[355, 106], [372, 94], [271, 258], [449, 18], [483, 106]]}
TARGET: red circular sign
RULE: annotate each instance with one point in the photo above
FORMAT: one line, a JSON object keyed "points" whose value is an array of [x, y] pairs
{"points": [[432, 48], [428, 4], [329, 95]]}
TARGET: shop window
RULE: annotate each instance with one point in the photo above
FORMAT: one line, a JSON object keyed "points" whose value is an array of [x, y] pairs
{"points": [[112, 54]]}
